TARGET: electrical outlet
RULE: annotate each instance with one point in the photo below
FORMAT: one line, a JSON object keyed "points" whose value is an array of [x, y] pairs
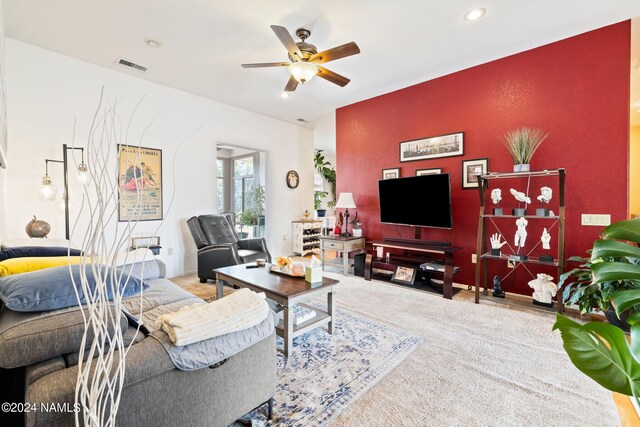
{"points": [[474, 258], [511, 263]]}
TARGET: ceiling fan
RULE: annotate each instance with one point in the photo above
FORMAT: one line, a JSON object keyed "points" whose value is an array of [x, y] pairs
{"points": [[305, 59]]}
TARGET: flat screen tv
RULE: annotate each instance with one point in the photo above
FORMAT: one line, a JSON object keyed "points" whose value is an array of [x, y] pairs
{"points": [[421, 201]]}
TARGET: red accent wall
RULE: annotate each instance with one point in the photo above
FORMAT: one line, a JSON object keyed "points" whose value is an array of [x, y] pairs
{"points": [[576, 89]]}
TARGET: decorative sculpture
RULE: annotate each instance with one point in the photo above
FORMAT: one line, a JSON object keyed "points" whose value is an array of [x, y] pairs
{"points": [[522, 198], [545, 239], [37, 228], [497, 287], [496, 244], [543, 290], [496, 196], [545, 195], [520, 237]]}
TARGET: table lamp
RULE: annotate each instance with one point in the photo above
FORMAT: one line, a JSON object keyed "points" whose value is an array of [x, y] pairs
{"points": [[345, 201]]}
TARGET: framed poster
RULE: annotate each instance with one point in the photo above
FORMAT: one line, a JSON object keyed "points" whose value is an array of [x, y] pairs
{"points": [[433, 147], [434, 171], [140, 182], [404, 275], [471, 169], [391, 173]]}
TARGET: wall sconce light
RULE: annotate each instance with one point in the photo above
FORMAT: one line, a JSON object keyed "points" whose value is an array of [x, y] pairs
{"points": [[48, 191]]}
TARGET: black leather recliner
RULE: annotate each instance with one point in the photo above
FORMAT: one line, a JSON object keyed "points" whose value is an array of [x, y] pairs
{"points": [[220, 246]]}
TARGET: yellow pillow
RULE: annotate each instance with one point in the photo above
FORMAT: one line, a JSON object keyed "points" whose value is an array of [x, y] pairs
{"points": [[26, 264]]}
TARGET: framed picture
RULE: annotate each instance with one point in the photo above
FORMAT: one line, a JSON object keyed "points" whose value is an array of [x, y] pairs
{"points": [[433, 147], [293, 179], [471, 169], [391, 173], [434, 171], [140, 181], [404, 275]]}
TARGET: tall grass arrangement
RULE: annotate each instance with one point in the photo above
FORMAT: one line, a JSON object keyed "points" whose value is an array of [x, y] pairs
{"points": [[522, 143]]}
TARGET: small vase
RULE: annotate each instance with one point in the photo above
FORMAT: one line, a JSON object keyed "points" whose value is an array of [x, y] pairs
{"points": [[521, 167], [357, 232]]}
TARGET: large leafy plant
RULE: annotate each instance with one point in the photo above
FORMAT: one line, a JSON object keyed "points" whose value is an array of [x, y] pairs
{"points": [[601, 350], [328, 173]]}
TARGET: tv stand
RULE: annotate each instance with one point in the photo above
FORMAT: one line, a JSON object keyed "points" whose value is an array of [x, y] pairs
{"points": [[436, 257]]}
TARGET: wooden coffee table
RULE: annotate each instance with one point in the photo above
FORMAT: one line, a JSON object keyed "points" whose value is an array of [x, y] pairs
{"points": [[286, 291]]}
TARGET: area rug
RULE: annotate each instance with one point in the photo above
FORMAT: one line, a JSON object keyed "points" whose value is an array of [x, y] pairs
{"points": [[324, 374]]}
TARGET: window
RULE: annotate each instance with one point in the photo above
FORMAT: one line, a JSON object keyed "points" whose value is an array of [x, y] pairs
{"points": [[221, 167], [243, 182]]}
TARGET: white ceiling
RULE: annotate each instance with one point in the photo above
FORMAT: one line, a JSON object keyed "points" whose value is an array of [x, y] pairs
{"points": [[205, 41]]}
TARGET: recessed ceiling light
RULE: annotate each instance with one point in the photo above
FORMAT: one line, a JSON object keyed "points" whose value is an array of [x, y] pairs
{"points": [[284, 95], [151, 42], [475, 14]]}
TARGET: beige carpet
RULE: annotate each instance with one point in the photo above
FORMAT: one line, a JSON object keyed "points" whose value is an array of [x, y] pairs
{"points": [[480, 365]]}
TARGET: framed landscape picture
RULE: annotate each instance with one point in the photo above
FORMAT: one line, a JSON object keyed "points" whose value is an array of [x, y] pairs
{"points": [[434, 147], [404, 275], [140, 182], [471, 170], [434, 171], [391, 173]]}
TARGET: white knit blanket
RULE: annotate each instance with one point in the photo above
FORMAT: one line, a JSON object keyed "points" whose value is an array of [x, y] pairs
{"points": [[242, 309]]}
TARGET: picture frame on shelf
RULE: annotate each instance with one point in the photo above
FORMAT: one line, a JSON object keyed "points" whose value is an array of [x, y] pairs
{"points": [[404, 275], [391, 173], [434, 147], [471, 170], [433, 171]]}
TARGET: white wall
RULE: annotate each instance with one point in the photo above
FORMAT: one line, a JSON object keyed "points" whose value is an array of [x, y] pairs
{"points": [[46, 91], [324, 134]]}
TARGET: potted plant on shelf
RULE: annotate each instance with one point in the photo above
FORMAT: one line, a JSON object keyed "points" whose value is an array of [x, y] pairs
{"points": [[247, 219], [317, 201], [356, 226], [611, 278], [522, 144]]}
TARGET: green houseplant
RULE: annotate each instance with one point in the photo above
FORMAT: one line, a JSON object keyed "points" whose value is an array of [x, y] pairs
{"points": [[357, 226], [317, 202], [522, 144], [600, 350]]}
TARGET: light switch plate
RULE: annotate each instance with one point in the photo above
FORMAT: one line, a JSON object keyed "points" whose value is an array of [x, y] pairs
{"points": [[596, 220]]}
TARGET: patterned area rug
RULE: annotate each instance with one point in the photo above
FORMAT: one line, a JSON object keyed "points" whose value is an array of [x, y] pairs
{"points": [[326, 373]]}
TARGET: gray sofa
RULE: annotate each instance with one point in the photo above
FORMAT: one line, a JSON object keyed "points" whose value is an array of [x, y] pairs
{"points": [[45, 347]]}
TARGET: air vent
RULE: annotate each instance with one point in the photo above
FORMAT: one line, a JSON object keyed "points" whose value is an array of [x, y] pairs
{"points": [[301, 120], [130, 64]]}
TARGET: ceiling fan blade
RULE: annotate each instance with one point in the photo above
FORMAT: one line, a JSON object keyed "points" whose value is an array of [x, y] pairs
{"points": [[335, 53], [266, 64], [287, 41], [336, 78], [292, 84]]}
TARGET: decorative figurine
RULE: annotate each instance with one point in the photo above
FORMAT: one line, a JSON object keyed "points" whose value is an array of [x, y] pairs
{"points": [[543, 290], [496, 244], [545, 239], [496, 196], [545, 195], [520, 237], [497, 287], [523, 198]]}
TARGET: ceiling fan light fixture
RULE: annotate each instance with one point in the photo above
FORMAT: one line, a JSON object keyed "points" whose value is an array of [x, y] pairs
{"points": [[303, 71], [475, 14]]}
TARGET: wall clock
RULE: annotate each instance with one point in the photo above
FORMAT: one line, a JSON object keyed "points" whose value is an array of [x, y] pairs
{"points": [[293, 179]]}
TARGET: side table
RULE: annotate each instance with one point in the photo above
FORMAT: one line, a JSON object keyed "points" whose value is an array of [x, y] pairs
{"points": [[342, 245]]}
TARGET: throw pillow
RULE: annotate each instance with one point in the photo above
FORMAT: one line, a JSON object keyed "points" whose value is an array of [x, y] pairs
{"points": [[37, 251], [26, 264], [53, 288]]}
